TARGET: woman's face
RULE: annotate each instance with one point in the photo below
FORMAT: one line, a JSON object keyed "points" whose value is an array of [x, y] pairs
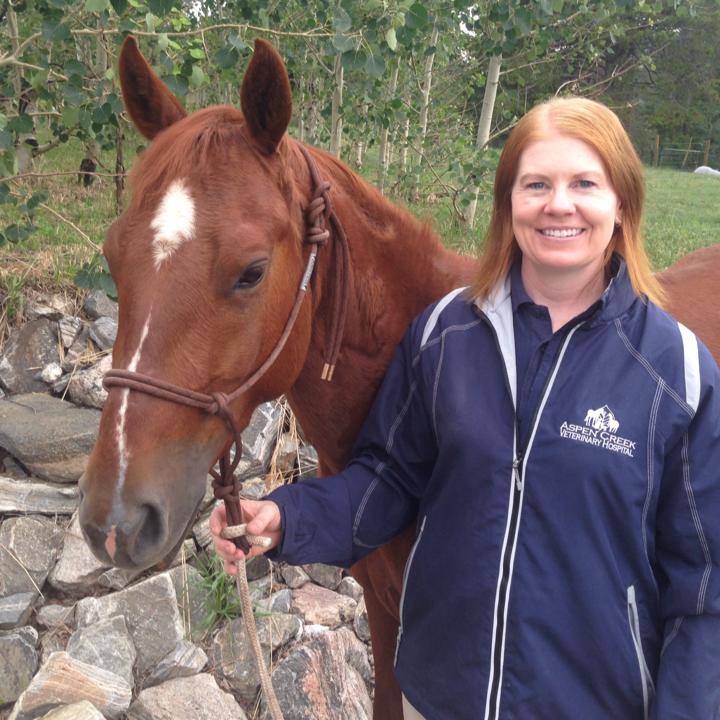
{"points": [[564, 208]]}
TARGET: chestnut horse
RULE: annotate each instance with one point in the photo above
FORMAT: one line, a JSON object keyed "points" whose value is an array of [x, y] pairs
{"points": [[207, 259]]}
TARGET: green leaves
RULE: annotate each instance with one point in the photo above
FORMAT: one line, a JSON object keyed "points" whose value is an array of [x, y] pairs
{"points": [[95, 275], [226, 57], [375, 66], [391, 39], [341, 22], [344, 43], [96, 5]]}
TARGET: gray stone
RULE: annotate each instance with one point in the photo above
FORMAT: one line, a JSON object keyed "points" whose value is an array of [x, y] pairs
{"points": [[360, 622], [62, 680], [103, 332], [253, 488], [56, 616], [257, 567], [311, 631], [50, 437], [50, 308], [51, 373], [705, 170], [22, 496], [97, 304], [302, 679], [151, 612], [260, 436], [69, 327], [28, 549], [15, 609], [278, 602], [78, 569], [85, 386], [105, 644], [317, 604], [81, 352], [190, 698], [83, 710], [18, 662], [184, 660], [308, 462], [285, 453], [260, 588], [29, 348], [232, 652], [350, 587], [52, 642], [328, 576], [201, 529], [192, 600], [294, 576]]}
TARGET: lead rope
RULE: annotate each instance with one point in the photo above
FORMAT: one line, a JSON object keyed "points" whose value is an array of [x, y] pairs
{"points": [[225, 485]]}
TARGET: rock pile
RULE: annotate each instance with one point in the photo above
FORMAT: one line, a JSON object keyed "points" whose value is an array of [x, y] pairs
{"points": [[80, 640]]}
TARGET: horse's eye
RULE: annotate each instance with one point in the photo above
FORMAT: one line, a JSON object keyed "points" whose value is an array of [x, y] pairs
{"points": [[251, 275]]}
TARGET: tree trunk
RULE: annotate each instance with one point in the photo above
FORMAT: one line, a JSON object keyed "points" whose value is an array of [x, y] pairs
{"points": [[424, 109], [384, 146], [337, 121], [404, 151], [25, 141], [483, 132], [313, 111], [119, 168]]}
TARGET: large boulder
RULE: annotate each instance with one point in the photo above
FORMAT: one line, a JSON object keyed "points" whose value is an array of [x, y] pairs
{"points": [[29, 348], [23, 496], [18, 662]]}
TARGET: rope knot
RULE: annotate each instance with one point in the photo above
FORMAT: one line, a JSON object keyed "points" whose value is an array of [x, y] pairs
{"points": [[219, 405]]}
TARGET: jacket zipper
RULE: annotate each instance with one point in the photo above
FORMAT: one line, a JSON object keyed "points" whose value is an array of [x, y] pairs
{"points": [[406, 574], [519, 466], [648, 687]]}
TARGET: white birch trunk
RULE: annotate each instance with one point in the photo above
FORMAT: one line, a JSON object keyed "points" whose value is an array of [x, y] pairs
{"points": [[384, 146], [424, 110], [337, 121], [483, 132]]}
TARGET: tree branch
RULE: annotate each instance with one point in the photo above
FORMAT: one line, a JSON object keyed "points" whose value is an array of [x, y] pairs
{"points": [[317, 33]]}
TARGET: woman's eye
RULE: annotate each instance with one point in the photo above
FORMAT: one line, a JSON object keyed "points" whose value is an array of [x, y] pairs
{"points": [[250, 276], [586, 184], [535, 185]]}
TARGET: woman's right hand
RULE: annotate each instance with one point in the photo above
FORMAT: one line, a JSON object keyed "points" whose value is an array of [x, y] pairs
{"points": [[262, 518]]}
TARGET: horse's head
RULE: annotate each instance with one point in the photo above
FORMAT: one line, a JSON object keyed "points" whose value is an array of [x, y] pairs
{"points": [[207, 259]]}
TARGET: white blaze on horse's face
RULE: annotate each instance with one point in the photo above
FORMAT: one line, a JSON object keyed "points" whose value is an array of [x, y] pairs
{"points": [[173, 223]]}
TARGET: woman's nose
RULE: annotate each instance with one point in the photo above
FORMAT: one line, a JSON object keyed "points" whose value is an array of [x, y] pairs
{"points": [[560, 202]]}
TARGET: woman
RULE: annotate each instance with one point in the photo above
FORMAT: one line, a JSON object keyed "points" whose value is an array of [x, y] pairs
{"points": [[557, 437]]}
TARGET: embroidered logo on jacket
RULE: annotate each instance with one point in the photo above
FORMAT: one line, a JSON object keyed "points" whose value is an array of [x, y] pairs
{"points": [[600, 429]]}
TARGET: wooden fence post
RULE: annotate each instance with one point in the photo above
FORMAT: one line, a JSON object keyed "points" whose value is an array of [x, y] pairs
{"points": [[687, 152], [656, 154], [706, 154]]}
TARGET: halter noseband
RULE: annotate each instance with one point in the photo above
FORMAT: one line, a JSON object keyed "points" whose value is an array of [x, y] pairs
{"points": [[225, 485]]}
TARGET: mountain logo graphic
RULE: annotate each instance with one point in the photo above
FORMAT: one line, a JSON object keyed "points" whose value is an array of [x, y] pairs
{"points": [[602, 419]]}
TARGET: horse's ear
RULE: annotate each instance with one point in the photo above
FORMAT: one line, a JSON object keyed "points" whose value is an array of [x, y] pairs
{"points": [[149, 102], [265, 97]]}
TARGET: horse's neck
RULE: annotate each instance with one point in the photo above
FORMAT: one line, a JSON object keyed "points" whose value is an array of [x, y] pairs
{"points": [[398, 268]]}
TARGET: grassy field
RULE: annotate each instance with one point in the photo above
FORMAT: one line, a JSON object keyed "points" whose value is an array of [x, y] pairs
{"points": [[683, 213]]}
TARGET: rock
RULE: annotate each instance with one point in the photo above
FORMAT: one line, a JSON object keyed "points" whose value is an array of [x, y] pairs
{"points": [[22, 496], [50, 437], [9, 466], [151, 612], [317, 604], [260, 436], [97, 304], [81, 352], [194, 698], [69, 327], [103, 332], [360, 622], [77, 569], [83, 710], [350, 587], [28, 549], [62, 680], [301, 679], [52, 642], [310, 631], [257, 567], [294, 576], [192, 600], [105, 644], [232, 653], [85, 386], [253, 488], [18, 662], [184, 660], [279, 602], [326, 575], [15, 609], [51, 373], [29, 348], [201, 529], [56, 616], [260, 588], [285, 453], [308, 462]]}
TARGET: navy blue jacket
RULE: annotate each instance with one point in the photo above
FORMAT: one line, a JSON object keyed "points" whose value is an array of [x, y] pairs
{"points": [[575, 575]]}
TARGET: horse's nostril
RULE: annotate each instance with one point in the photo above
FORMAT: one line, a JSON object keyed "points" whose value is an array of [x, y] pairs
{"points": [[151, 531]]}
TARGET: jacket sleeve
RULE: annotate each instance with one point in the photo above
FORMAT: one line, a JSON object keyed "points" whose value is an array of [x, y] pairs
{"points": [[341, 518], [688, 554]]}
